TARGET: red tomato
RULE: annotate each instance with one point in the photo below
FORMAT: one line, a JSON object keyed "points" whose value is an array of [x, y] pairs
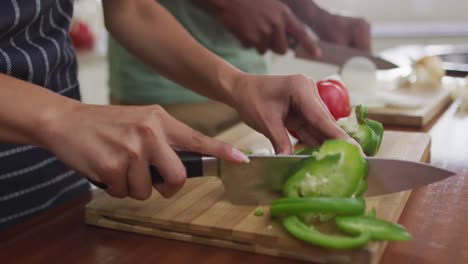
{"points": [[336, 98], [81, 35], [339, 83]]}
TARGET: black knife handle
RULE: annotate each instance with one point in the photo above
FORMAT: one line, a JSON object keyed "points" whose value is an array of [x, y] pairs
{"points": [[193, 163]]}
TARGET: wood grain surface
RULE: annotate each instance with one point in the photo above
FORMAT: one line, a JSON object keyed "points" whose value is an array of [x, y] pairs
{"points": [[198, 213], [433, 99]]}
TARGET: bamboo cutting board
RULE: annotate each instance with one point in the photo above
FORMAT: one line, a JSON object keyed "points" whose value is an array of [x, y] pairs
{"points": [[199, 214], [433, 101]]}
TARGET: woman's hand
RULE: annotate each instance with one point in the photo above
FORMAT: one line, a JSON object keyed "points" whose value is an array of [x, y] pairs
{"points": [[270, 104], [116, 144]]}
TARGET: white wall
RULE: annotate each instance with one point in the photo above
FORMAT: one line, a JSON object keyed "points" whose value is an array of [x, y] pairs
{"points": [[402, 10]]}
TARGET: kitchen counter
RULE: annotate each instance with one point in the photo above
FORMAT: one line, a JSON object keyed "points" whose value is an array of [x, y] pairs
{"points": [[436, 216]]}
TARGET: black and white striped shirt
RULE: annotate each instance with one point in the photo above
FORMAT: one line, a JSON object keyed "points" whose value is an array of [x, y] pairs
{"points": [[35, 47]]}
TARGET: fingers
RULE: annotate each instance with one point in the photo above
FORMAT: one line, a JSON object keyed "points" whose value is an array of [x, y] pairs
{"points": [[265, 39], [297, 30], [310, 136], [139, 179], [186, 138], [171, 169], [278, 135], [280, 40], [112, 172], [360, 31]]}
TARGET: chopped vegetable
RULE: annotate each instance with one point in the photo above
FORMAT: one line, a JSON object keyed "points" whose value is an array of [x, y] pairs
{"points": [[306, 151], [335, 96], [376, 228], [334, 171], [426, 72], [309, 234], [339, 206], [325, 190], [429, 69], [367, 132], [259, 212], [372, 213]]}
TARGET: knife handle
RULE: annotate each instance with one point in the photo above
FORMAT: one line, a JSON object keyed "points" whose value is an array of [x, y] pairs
{"points": [[193, 163]]}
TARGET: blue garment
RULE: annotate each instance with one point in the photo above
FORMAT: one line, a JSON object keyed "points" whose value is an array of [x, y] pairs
{"points": [[35, 47]]}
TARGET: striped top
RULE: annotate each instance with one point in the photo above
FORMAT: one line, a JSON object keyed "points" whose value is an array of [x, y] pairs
{"points": [[35, 47]]}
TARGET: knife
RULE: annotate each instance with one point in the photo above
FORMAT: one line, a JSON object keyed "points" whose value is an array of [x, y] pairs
{"points": [[339, 54], [261, 180]]}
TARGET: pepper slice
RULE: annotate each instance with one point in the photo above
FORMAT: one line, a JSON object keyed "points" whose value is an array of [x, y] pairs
{"points": [[333, 171], [339, 206], [377, 229], [306, 151], [368, 133], [310, 235]]}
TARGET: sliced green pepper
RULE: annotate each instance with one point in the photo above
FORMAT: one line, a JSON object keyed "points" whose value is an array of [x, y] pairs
{"points": [[310, 235], [306, 151], [372, 213], [368, 133], [377, 229], [339, 206], [259, 212], [333, 171]]}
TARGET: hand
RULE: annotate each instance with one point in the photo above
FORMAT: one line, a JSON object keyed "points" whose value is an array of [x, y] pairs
{"points": [[272, 104], [263, 24], [344, 30], [116, 144]]}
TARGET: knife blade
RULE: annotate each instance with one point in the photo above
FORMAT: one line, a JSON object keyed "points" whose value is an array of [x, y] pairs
{"points": [[339, 54], [261, 180]]}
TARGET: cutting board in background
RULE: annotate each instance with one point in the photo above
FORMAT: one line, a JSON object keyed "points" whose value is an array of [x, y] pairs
{"points": [[434, 100], [199, 214]]}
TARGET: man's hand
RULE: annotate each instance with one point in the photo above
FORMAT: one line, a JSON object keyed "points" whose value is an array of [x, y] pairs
{"points": [[116, 144], [270, 104], [344, 30], [262, 24]]}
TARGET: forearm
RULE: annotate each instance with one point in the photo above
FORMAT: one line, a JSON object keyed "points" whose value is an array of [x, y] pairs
{"points": [[26, 111], [153, 35]]}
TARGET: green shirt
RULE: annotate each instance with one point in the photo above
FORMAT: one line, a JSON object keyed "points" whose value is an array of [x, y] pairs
{"points": [[132, 82]]}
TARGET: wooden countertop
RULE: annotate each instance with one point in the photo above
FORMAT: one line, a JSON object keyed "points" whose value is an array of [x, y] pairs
{"points": [[436, 215]]}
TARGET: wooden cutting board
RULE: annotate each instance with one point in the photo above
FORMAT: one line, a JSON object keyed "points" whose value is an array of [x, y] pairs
{"points": [[199, 214], [434, 100]]}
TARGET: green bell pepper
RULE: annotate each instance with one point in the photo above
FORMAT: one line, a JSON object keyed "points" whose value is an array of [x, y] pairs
{"points": [[336, 170], [368, 133], [328, 186], [310, 235], [306, 151], [377, 229], [339, 206]]}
